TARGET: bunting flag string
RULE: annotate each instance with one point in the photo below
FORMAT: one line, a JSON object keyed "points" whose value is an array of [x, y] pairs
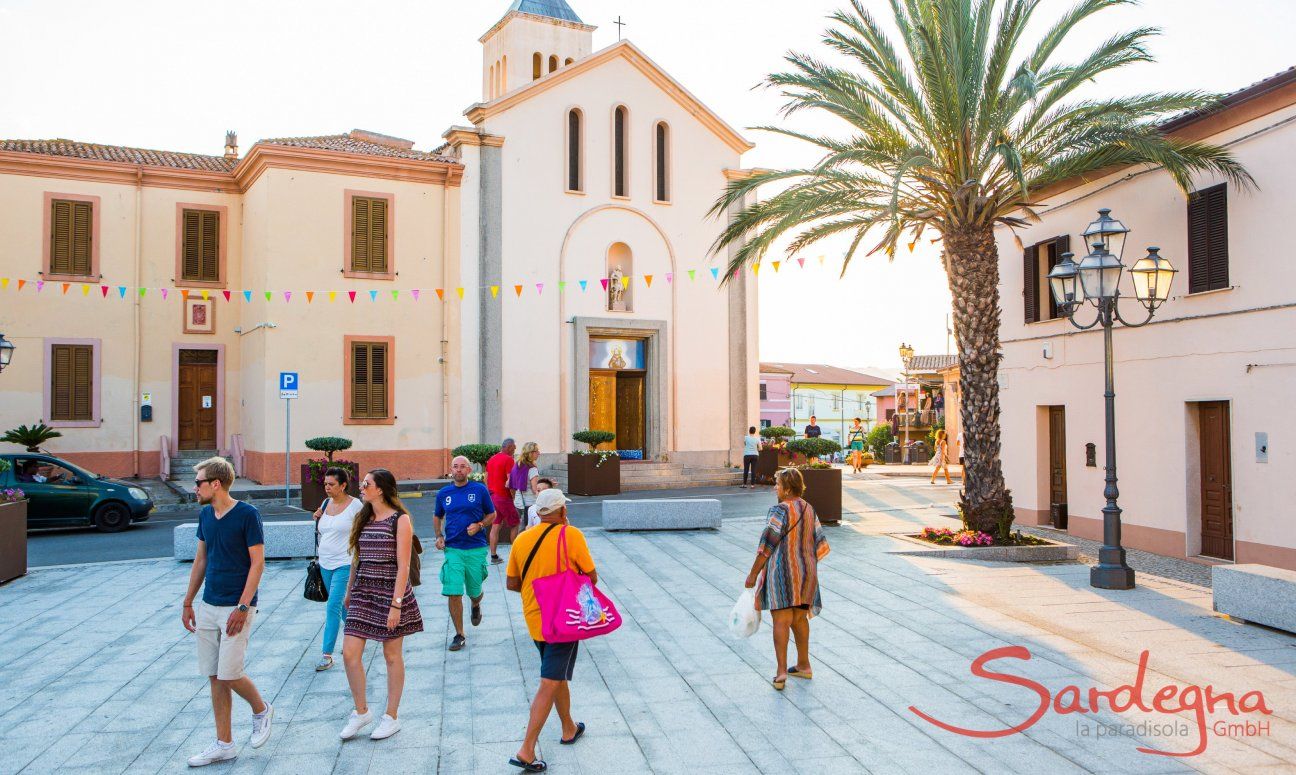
{"points": [[440, 294], [494, 291], [310, 296], [583, 283], [373, 295]]}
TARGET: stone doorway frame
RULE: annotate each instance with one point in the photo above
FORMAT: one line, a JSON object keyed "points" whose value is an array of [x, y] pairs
{"points": [[656, 360]]}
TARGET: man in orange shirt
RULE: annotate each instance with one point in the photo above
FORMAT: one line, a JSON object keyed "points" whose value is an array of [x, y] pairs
{"points": [[535, 555]]}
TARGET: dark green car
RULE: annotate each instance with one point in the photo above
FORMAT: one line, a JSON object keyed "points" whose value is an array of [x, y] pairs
{"points": [[60, 494]]}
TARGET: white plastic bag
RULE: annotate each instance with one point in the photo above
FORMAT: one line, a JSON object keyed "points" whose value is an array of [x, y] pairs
{"points": [[744, 619]]}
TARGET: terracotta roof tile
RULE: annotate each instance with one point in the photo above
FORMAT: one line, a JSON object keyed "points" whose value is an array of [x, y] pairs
{"points": [[120, 153], [359, 142], [922, 363]]}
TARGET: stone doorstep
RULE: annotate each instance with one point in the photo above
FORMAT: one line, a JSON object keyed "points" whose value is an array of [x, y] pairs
{"points": [[1052, 552]]}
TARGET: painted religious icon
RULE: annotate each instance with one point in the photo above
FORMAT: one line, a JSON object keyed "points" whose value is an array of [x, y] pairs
{"points": [[199, 316]]}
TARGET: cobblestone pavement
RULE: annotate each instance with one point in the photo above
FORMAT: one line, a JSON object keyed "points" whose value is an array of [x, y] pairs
{"points": [[97, 676], [1141, 561]]}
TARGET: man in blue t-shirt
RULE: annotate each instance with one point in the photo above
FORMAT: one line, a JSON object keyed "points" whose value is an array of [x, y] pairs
{"points": [[464, 513], [228, 564]]}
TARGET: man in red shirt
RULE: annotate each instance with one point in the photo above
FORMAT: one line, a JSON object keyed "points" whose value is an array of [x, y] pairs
{"points": [[497, 473]]}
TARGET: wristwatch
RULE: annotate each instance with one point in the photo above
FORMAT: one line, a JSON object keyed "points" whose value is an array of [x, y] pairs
{"points": [[242, 608]]}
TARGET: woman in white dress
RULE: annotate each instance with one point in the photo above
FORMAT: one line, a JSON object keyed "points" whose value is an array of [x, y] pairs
{"points": [[333, 521]]}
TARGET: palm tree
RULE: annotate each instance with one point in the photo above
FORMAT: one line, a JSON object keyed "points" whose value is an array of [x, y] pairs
{"points": [[952, 133]]}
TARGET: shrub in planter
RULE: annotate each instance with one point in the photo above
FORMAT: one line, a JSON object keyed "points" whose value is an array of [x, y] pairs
{"points": [[596, 472], [877, 440], [477, 454], [776, 435], [312, 480], [814, 448], [328, 445], [30, 437]]}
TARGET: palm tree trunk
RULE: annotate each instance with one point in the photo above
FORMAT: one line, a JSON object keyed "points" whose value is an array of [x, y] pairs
{"points": [[972, 266]]}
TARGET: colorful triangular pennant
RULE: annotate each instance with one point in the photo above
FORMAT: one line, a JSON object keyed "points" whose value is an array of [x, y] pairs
{"points": [[494, 291], [518, 289], [247, 296], [310, 296]]}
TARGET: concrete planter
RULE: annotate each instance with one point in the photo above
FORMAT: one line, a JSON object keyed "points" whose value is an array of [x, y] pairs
{"points": [[767, 463], [1050, 552], [824, 493], [13, 540], [312, 493], [587, 476]]}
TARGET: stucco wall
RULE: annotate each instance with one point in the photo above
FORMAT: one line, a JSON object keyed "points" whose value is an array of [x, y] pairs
{"points": [[1234, 345]]}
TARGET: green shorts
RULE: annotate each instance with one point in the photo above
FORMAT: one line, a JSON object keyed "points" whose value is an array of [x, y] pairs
{"points": [[463, 571]]}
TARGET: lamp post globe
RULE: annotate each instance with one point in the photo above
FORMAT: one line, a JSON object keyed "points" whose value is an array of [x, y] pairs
{"points": [[1100, 273], [6, 352], [1064, 282], [1152, 276], [1108, 231]]}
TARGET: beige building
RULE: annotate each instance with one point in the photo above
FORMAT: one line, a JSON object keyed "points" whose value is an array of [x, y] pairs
{"points": [[1204, 417], [385, 277]]}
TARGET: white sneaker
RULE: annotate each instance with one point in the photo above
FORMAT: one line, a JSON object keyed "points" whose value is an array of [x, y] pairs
{"points": [[261, 726], [214, 753], [355, 723], [387, 727]]}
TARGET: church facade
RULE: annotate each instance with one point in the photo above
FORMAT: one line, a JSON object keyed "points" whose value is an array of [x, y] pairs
{"points": [[545, 270]]}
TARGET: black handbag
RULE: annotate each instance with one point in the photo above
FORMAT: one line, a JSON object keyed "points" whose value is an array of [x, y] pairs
{"points": [[316, 589]]}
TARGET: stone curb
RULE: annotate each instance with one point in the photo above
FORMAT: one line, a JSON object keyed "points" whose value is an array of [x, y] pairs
{"points": [[1052, 552]]}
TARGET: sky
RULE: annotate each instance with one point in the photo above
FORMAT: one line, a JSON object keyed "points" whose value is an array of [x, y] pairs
{"points": [[175, 75]]}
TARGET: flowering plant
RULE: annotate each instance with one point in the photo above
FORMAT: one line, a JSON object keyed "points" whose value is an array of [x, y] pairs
{"points": [[11, 495], [317, 466], [943, 535]]}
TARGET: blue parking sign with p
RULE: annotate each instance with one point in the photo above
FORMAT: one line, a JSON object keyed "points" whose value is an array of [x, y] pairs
{"points": [[288, 384]]}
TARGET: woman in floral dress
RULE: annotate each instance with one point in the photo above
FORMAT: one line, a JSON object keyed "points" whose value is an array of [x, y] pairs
{"points": [[380, 601], [786, 573]]}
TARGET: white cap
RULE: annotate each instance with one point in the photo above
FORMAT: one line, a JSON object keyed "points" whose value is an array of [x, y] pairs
{"points": [[549, 501]]}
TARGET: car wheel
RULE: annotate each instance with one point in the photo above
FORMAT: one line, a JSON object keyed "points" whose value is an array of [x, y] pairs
{"points": [[111, 518]]}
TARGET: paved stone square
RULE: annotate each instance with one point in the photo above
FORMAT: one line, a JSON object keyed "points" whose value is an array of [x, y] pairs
{"points": [[97, 675]]}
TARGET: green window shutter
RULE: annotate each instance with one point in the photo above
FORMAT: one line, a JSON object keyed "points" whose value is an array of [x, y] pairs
{"points": [[378, 235], [360, 232], [72, 382]]}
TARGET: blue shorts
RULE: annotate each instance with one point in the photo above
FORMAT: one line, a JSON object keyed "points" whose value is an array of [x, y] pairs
{"points": [[557, 660]]}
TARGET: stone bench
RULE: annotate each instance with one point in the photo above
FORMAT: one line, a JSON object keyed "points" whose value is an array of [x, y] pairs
{"points": [[661, 514], [1256, 593], [283, 540]]}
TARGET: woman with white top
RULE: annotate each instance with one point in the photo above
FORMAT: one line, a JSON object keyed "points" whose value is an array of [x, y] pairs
{"points": [[333, 521]]}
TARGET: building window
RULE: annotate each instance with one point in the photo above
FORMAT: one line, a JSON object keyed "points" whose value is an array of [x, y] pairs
{"points": [[766, 423], [567, 62], [553, 63], [71, 250], [371, 218], [764, 392], [490, 92], [503, 75], [200, 246], [661, 162], [369, 370], [836, 404], [537, 66], [574, 182], [72, 382], [1208, 260], [1037, 261], [800, 404], [619, 187]]}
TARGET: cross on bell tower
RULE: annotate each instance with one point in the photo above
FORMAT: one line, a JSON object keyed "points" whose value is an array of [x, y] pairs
{"points": [[619, 24]]}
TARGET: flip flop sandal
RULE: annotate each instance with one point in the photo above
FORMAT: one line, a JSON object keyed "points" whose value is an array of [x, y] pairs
{"points": [[798, 674], [535, 765], [580, 730], [779, 684]]}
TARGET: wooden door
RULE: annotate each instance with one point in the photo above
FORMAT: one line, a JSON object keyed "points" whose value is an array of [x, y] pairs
{"points": [[197, 405], [1216, 480], [1057, 466], [630, 413], [603, 404]]}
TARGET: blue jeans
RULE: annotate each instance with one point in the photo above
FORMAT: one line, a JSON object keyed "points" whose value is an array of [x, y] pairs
{"points": [[335, 614]]}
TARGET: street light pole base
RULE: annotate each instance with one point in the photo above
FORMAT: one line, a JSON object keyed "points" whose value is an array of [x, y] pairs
{"points": [[1111, 577]]}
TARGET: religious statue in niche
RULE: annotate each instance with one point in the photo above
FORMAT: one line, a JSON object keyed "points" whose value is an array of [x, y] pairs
{"points": [[617, 361], [616, 290]]}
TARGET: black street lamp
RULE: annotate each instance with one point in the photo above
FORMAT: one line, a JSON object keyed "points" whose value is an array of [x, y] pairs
{"points": [[6, 352], [906, 356], [1098, 276]]}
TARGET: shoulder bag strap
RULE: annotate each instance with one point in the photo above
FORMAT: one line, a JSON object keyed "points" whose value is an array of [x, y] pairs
{"points": [[527, 565]]}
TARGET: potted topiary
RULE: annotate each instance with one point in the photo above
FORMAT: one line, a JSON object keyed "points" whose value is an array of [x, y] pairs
{"points": [[312, 471], [13, 531], [772, 448], [823, 481], [477, 454], [596, 472], [30, 437]]}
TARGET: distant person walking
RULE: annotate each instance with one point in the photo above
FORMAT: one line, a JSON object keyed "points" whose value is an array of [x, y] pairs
{"points": [[498, 468], [786, 573], [464, 513], [334, 520], [228, 564], [380, 601], [521, 481], [751, 453], [535, 555], [812, 431], [941, 458], [855, 438]]}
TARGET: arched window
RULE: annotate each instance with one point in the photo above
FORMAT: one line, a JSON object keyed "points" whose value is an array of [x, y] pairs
{"points": [[661, 162], [574, 181], [536, 66], [503, 75], [553, 63], [490, 89], [568, 62], [619, 186]]}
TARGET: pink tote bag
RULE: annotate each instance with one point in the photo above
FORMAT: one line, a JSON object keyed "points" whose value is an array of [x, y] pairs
{"points": [[572, 608]]}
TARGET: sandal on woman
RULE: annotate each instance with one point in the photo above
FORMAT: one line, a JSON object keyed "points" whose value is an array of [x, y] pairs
{"points": [[535, 765], [779, 684], [795, 673], [325, 663]]}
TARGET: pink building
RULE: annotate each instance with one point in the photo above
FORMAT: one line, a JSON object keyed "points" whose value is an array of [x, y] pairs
{"points": [[775, 395]]}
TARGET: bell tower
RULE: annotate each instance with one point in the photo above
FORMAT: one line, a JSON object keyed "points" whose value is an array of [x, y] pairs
{"points": [[534, 38]]}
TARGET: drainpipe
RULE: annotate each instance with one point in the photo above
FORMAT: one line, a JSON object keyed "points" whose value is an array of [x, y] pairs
{"points": [[445, 341], [135, 324]]}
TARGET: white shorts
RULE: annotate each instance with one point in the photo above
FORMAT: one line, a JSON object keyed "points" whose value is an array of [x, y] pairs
{"points": [[219, 654]]}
